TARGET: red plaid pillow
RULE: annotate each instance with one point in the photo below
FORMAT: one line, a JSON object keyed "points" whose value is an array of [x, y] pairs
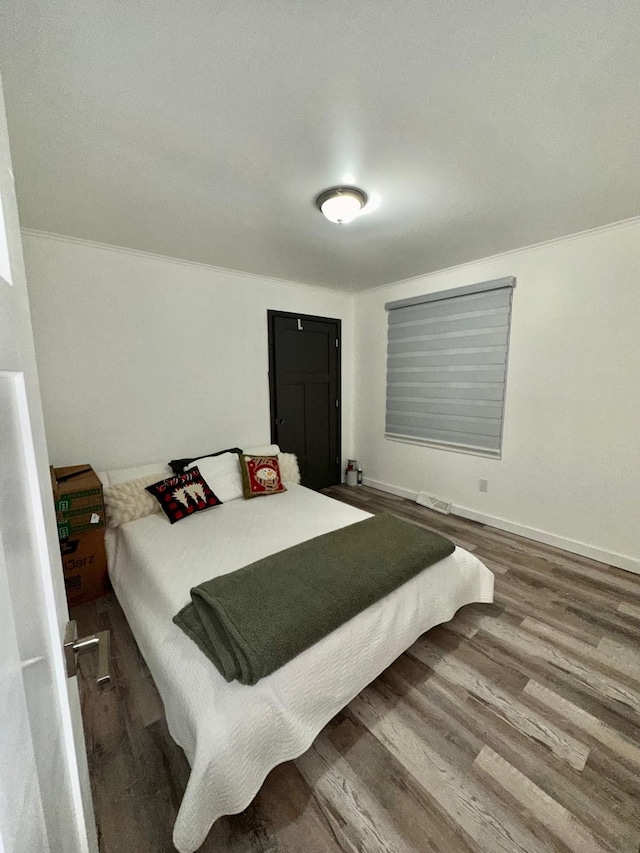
{"points": [[260, 476], [183, 495]]}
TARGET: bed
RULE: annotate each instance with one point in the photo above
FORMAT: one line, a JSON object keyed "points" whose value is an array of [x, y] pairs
{"points": [[233, 734]]}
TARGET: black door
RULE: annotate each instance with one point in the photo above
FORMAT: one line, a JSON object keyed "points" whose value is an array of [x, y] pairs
{"points": [[304, 379]]}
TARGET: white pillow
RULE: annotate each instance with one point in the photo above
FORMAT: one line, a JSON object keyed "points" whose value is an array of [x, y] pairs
{"points": [[221, 474], [124, 475], [263, 450]]}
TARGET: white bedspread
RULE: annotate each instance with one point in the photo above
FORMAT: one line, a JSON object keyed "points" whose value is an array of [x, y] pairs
{"points": [[232, 734]]}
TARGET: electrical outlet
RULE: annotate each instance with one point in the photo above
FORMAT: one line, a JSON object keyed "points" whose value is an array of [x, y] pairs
{"points": [[484, 485]]}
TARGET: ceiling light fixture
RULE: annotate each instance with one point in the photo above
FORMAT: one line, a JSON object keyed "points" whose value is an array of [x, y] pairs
{"points": [[341, 204]]}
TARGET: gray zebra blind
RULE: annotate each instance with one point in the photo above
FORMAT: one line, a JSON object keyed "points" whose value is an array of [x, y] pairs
{"points": [[447, 366]]}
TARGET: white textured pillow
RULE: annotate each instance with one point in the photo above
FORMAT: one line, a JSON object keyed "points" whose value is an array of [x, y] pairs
{"points": [[289, 470], [222, 475], [129, 500]]}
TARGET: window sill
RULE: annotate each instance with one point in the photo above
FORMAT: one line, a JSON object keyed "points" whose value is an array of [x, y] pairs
{"points": [[439, 445]]}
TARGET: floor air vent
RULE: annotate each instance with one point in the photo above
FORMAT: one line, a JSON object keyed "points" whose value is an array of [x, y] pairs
{"points": [[431, 502]]}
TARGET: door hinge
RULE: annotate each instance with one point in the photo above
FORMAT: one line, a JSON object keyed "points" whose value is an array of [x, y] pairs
{"points": [[337, 404], [300, 329], [337, 343], [337, 460]]}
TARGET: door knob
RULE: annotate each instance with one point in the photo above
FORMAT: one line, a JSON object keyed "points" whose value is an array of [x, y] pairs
{"points": [[74, 646], [279, 420]]}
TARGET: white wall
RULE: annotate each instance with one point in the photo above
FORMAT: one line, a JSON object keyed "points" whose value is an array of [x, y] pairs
{"points": [[142, 358], [570, 471]]}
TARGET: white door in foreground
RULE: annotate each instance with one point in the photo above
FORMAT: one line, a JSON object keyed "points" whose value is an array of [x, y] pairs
{"points": [[45, 798]]}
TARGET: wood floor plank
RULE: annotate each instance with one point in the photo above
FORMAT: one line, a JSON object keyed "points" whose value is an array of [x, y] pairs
{"points": [[462, 626], [501, 703], [514, 728], [402, 686], [609, 658], [566, 662], [594, 802], [609, 623], [537, 571], [520, 601], [481, 817], [586, 722], [605, 768], [576, 562], [629, 609], [358, 820], [285, 817], [507, 678], [496, 567], [421, 821], [620, 657], [145, 706], [547, 810], [616, 715]]}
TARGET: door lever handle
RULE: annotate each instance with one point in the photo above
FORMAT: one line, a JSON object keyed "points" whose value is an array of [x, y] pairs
{"points": [[74, 646]]}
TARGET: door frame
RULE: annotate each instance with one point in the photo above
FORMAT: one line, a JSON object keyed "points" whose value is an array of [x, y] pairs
{"points": [[42, 735], [290, 315]]}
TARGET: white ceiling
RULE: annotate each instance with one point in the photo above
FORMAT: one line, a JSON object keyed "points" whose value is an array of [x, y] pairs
{"points": [[204, 129]]}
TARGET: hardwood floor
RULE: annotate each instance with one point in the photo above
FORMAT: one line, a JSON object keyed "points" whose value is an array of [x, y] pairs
{"points": [[514, 728]]}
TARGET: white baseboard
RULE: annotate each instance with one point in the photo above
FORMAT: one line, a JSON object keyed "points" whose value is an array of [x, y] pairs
{"points": [[393, 490], [610, 558]]}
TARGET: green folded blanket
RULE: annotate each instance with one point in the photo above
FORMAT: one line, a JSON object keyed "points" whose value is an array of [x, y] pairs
{"points": [[254, 620]]}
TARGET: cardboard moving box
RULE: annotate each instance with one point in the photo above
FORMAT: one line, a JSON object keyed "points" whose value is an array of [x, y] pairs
{"points": [[73, 485], [77, 494], [84, 562]]}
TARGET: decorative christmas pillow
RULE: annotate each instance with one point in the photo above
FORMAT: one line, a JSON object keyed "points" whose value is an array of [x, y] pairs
{"points": [[260, 476], [183, 495]]}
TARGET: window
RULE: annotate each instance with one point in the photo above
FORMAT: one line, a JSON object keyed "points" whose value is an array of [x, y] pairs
{"points": [[447, 367]]}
